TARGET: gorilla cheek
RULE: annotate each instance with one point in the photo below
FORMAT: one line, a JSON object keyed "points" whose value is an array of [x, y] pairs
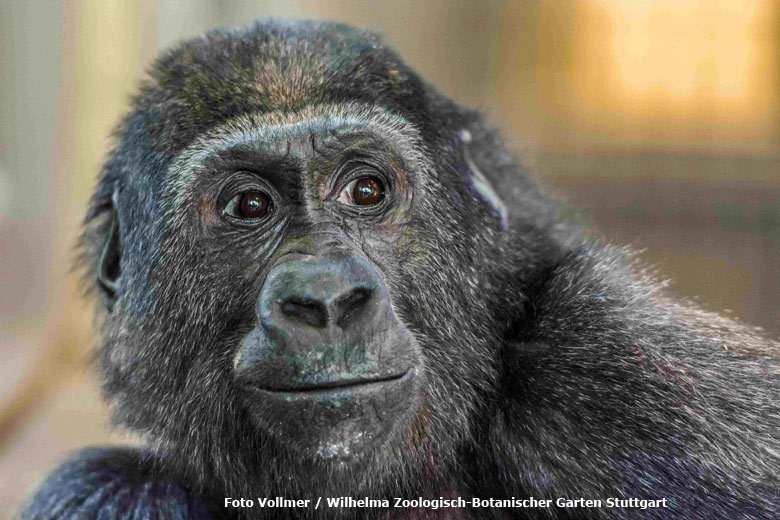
{"points": [[329, 371]]}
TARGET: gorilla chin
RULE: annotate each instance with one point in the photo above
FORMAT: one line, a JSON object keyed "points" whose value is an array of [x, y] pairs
{"points": [[344, 423]]}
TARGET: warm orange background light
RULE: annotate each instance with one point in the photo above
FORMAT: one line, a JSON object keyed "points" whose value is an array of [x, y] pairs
{"points": [[683, 75]]}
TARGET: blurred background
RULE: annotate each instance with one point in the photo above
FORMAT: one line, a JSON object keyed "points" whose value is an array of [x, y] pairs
{"points": [[660, 120]]}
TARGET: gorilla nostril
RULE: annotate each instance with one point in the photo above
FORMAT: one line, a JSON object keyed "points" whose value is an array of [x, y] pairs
{"points": [[347, 307], [310, 312]]}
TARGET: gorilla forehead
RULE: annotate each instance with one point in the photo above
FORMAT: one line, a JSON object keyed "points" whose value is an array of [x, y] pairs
{"points": [[269, 131], [272, 66]]}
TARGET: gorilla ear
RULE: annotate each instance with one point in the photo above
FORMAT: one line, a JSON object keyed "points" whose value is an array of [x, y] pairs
{"points": [[108, 268], [481, 184]]}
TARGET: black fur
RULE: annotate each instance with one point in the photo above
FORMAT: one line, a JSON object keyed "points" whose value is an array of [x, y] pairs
{"points": [[554, 365]]}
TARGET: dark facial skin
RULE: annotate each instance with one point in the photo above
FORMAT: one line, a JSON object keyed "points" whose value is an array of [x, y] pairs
{"points": [[328, 368], [316, 344]]}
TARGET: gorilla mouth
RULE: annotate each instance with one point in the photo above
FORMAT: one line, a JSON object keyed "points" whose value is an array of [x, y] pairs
{"points": [[342, 418], [363, 384]]}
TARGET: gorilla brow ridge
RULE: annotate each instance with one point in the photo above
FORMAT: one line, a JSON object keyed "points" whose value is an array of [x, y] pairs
{"points": [[254, 128]]}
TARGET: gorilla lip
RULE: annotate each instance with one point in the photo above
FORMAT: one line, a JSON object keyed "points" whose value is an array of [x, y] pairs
{"points": [[316, 390]]}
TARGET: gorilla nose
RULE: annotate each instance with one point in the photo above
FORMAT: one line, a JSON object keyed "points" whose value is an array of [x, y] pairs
{"points": [[324, 321], [320, 293], [340, 310]]}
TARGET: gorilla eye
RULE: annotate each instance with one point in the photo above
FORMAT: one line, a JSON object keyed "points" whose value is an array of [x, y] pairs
{"points": [[249, 205], [254, 205], [365, 191]]}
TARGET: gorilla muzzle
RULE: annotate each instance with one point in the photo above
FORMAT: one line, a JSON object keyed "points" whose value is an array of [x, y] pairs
{"points": [[327, 350]]}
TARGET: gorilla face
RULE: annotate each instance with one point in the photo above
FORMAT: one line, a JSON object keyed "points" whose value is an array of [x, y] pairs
{"points": [[316, 284], [328, 368]]}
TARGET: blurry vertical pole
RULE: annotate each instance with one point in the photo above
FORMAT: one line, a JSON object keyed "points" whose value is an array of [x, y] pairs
{"points": [[29, 60], [521, 64], [106, 47]]}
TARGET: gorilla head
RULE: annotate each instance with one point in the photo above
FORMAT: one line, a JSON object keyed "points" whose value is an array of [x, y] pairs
{"points": [[303, 263]]}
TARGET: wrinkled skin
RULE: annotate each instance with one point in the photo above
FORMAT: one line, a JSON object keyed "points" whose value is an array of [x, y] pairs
{"points": [[450, 338]]}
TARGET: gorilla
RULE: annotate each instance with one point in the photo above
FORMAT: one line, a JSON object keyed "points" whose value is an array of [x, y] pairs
{"points": [[327, 291]]}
